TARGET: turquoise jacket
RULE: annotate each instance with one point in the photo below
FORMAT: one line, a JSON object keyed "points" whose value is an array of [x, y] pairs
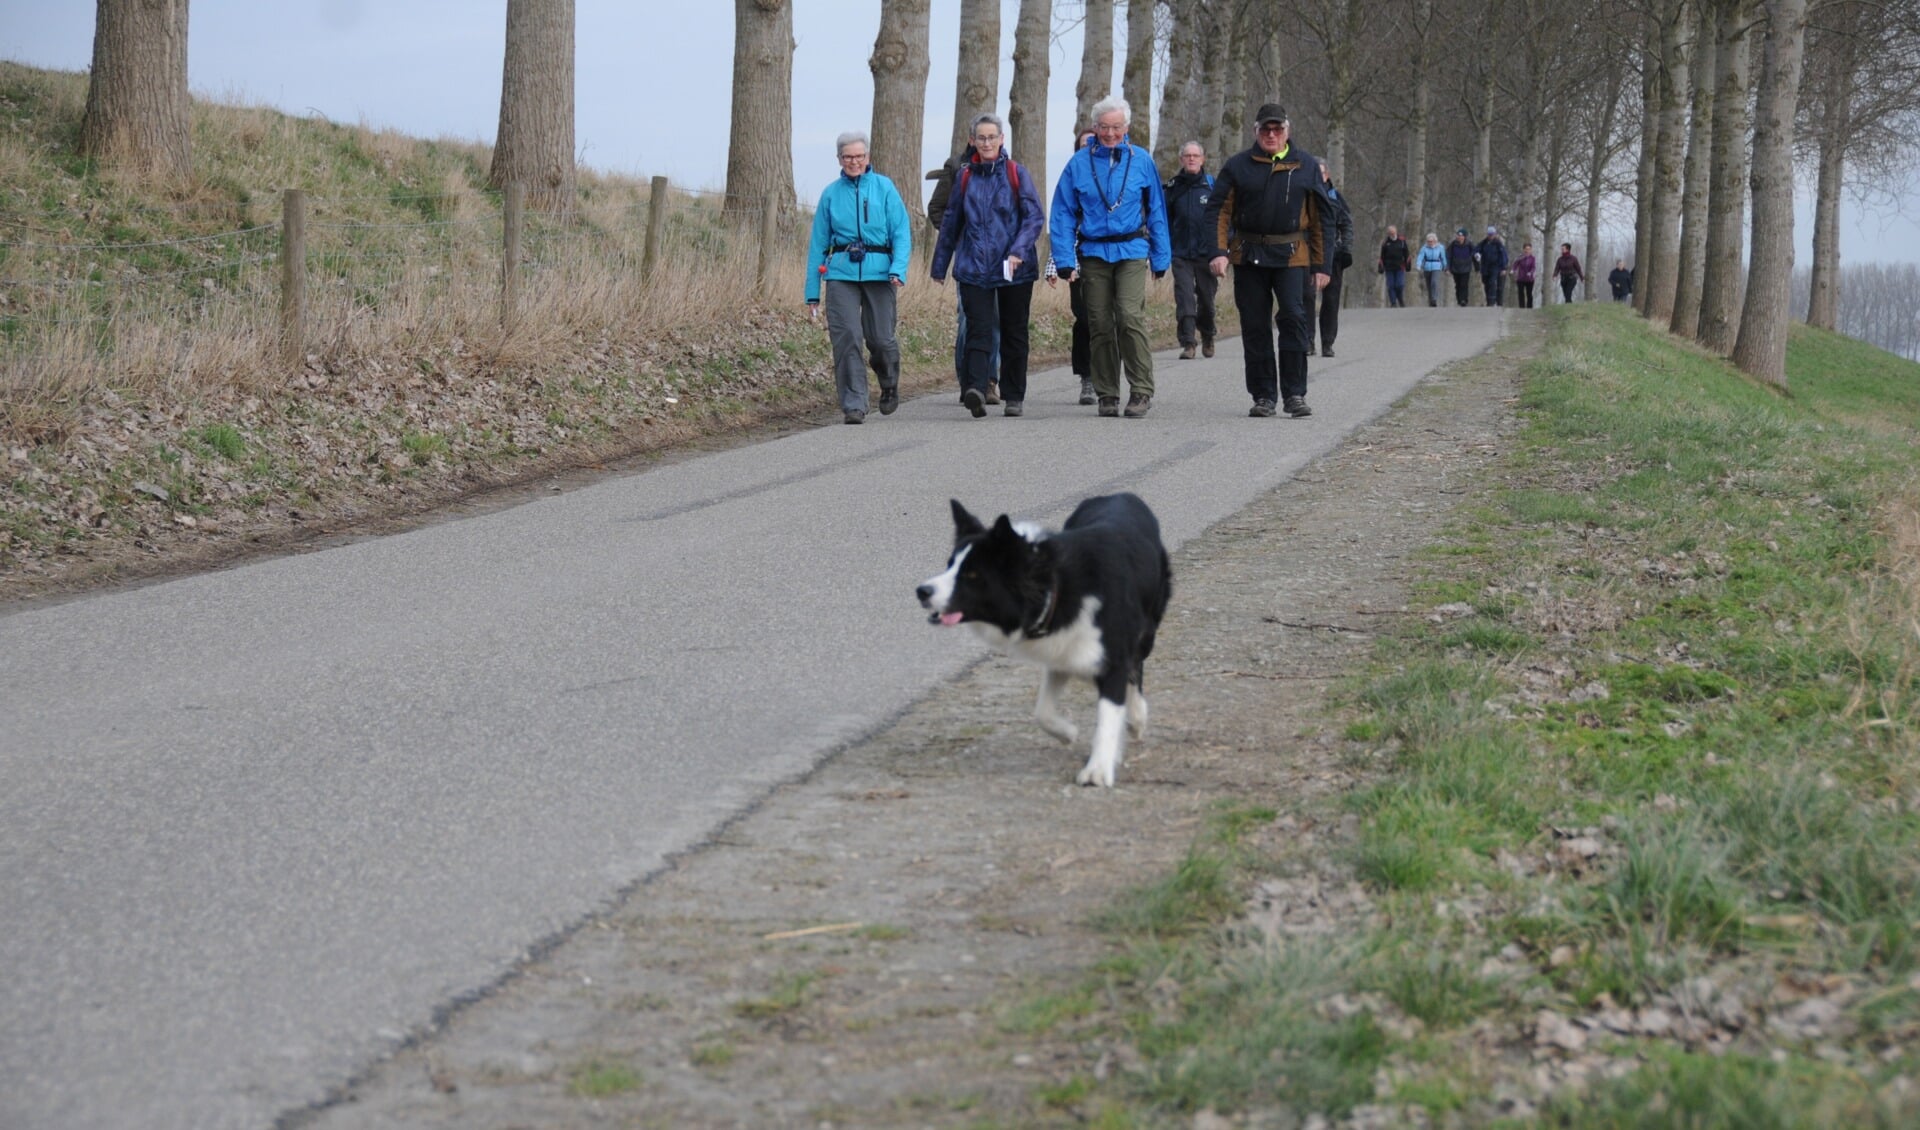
{"points": [[866, 208]]}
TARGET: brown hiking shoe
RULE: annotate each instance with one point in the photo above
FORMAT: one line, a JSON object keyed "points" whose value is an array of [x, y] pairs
{"points": [[993, 392], [1186, 353], [1137, 406], [1109, 406], [1206, 347]]}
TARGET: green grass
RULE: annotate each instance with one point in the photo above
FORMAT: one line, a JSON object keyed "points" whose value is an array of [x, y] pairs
{"points": [[599, 1079], [1733, 740], [787, 996]]}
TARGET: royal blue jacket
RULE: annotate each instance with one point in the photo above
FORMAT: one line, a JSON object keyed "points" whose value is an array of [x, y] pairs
{"points": [[867, 208], [986, 221], [1108, 205]]}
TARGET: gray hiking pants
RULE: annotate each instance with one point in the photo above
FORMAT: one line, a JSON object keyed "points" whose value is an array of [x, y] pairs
{"points": [[857, 310]]}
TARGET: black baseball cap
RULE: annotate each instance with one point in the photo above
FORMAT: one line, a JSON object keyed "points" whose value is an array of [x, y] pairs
{"points": [[1271, 112]]}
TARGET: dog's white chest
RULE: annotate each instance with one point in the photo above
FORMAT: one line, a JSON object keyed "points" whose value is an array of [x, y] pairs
{"points": [[1073, 650]]}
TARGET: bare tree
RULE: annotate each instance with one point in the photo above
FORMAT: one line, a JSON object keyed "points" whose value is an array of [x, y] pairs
{"points": [[1136, 77], [534, 146], [760, 138], [1761, 348], [899, 65], [1606, 146], [1420, 31], [1720, 274], [139, 117], [1096, 60], [1027, 99], [1180, 95], [1659, 273], [1693, 197], [976, 82]]}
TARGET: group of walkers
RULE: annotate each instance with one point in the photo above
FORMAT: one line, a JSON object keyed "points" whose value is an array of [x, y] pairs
{"points": [[1271, 214]]}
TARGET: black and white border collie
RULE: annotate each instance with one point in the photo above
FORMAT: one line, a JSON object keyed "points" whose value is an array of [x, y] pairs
{"points": [[1083, 601]]}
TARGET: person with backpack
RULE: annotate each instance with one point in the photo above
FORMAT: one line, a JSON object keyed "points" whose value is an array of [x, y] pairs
{"points": [[1491, 254], [1193, 285], [1109, 224], [988, 237], [856, 260]]}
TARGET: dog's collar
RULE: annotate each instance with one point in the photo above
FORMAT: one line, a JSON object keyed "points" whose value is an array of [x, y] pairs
{"points": [[1044, 622]]}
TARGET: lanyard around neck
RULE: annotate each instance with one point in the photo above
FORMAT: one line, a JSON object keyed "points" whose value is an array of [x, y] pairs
{"points": [[1100, 184]]}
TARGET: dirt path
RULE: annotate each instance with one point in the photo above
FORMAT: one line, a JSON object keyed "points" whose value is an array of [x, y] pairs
{"points": [[956, 842]]}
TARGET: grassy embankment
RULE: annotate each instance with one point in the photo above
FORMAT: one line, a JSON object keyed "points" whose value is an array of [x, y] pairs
{"points": [[1643, 842], [143, 401]]}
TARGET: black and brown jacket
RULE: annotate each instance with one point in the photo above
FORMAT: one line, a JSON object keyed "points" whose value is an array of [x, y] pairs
{"points": [[1282, 197]]}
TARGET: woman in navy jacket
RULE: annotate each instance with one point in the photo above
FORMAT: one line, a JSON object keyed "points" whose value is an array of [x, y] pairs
{"points": [[988, 237]]}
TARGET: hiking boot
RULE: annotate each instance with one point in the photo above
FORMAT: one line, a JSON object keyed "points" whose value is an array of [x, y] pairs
{"points": [[1309, 349], [1086, 391], [1014, 408], [993, 392], [1261, 408], [856, 417], [975, 403], [1109, 406], [889, 400], [1137, 406], [1326, 351], [1186, 353], [1206, 347], [1296, 406]]}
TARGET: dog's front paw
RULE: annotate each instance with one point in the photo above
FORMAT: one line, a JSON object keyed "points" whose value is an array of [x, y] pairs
{"points": [[1101, 775]]}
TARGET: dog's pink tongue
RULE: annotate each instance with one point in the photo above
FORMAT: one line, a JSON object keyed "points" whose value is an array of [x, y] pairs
{"points": [[949, 619]]}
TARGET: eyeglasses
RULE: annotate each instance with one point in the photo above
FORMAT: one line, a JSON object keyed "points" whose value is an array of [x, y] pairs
{"points": [[1103, 127], [853, 156], [1273, 127], [984, 138]]}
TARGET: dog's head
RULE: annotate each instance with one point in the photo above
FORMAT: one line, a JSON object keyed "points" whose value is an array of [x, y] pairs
{"points": [[998, 575]]}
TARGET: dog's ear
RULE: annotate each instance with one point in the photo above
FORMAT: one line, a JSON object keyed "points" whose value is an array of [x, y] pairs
{"points": [[965, 525], [1003, 528]]}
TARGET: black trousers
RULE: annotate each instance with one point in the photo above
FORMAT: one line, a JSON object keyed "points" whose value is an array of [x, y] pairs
{"points": [[1006, 307], [1460, 286], [1329, 300], [1524, 289], [1567, 283], [1277, 294]]}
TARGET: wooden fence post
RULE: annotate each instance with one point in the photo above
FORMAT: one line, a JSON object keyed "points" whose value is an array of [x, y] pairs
{"points": [[511, 219], [769, 230], [293, 275], [656, 225]]}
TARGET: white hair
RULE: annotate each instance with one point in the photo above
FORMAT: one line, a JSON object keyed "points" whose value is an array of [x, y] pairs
{"points": [[848, 138], [1186, 145], [1108, 105]]}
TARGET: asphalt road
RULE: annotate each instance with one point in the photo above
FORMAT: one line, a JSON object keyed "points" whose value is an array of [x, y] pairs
{"points": [[258, 825]]}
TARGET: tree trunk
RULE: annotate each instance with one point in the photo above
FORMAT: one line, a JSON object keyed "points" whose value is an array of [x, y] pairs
{"points": [[1179, 95], [1096, 60], [1835, 131], [1761, 348], [1027, 99], [976, 85], [1417, 124], [899, 65], [1643, 219], [1483, 159], [1726, 183], [1136, 79], [760, 145], [1597, 168], [139, 117], [534, 146], [1693, 199], [1659, 277], [1342, 77]]}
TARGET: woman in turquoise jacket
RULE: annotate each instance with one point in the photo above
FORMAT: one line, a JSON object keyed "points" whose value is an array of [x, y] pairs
{"points": [[1432, 263], [862, 243]]}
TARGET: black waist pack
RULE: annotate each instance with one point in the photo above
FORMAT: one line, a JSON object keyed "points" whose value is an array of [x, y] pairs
{"points": [[1268, 255]]}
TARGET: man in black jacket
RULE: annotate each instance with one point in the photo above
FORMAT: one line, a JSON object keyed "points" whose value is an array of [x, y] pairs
{"points": [[1341, 259], [1193, 284], [1395, 260], [1269, 217]]}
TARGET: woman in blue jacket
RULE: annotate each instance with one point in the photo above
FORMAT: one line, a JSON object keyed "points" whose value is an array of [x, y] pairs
{"points": [[1432, 263], [862, 243], [988, 237]]}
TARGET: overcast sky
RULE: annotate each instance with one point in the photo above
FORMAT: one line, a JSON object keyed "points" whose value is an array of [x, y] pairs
{"points": [[652, 80]]}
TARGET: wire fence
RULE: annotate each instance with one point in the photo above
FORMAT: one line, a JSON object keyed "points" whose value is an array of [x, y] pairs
{"points": [[307, 277]]}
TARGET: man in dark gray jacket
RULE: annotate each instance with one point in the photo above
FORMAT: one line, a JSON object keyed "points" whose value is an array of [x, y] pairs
{"points": [[1193, 284]]}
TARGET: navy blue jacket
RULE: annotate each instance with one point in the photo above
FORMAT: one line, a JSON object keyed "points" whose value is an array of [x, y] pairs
{"points": [[986, 221], [1460, 256], [1187, 215], [1493, 255]]}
